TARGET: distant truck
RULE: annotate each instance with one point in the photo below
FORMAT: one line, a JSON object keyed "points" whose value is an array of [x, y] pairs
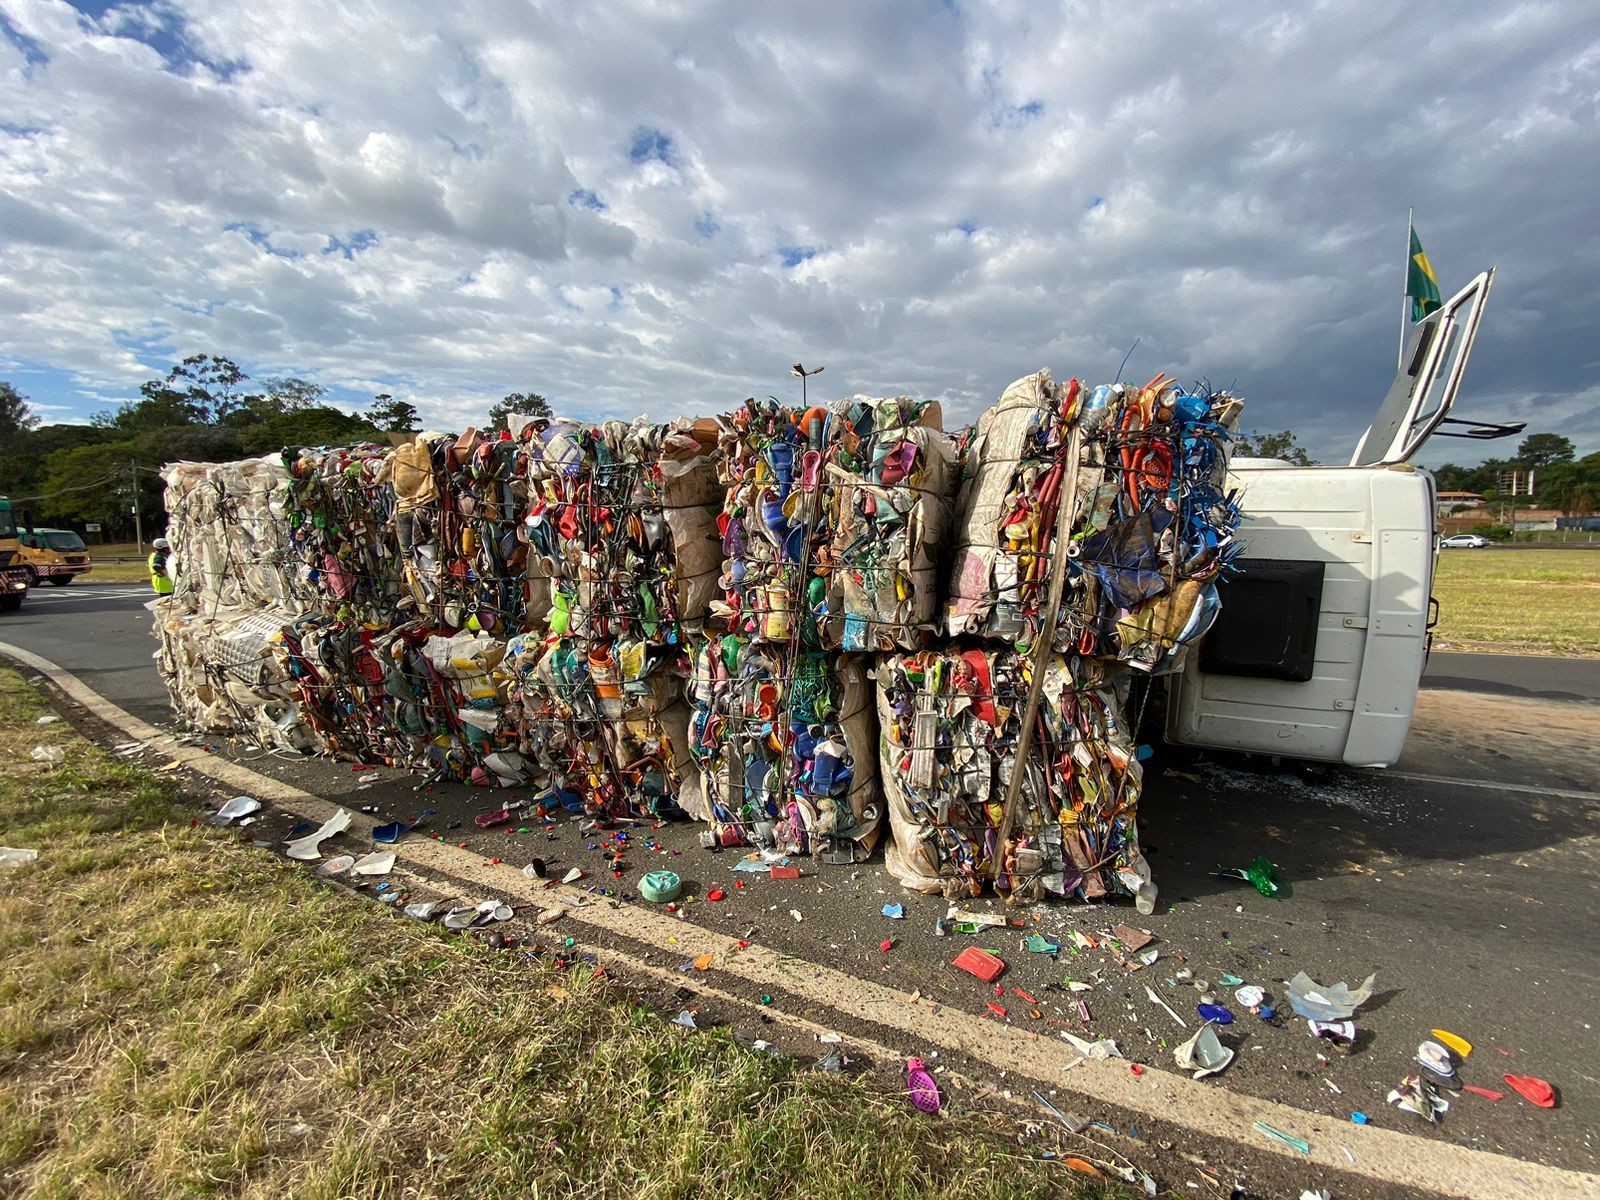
{"points": [[1319, 650], [56, 555], [14, 576]]}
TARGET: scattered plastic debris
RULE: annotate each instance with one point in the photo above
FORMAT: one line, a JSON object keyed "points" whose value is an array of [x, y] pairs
{"points": [[1459, 1045], [1155, 999], [1260, 874], [1435, 1058], [1203, 1054], [1416, 1095], [1279, 1135], [895, 912], [685, 1019], [1099, 1050], [337, 865], [1133, 940], [1214, 1014], [232, 810], [379, 862], [923, 1090], [1484, 1092], [47, 719], [54, 755], [12, 857], [306, 849], [987, 967], [1340, 1034], [1315, 1002], [1532, 1089]]}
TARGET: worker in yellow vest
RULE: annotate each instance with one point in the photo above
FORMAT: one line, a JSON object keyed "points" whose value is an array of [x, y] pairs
{"points": [[160, 581]]}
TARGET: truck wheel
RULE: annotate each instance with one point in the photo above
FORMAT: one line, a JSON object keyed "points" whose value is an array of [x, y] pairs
{"points": [[61, 580], [10, 603]]}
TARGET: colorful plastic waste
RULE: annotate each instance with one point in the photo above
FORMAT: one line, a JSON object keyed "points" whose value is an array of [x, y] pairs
{"points": [[923, 1090], [1532, 1089], [1416, 1095]]}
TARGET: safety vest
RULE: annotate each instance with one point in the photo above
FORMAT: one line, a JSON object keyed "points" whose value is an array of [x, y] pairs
{"points": [[160, 582]]}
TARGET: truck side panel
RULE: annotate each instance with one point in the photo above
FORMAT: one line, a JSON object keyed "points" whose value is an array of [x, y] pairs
{"points": [[1372, 529]]}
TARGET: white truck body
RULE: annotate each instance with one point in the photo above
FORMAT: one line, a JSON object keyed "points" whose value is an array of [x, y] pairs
{"points": [[1323, 636]]}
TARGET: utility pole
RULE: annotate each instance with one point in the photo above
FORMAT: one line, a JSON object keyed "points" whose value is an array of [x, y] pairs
{"points": [[138, 524]]}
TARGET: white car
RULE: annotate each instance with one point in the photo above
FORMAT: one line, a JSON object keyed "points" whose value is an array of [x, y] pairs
{"points": [[1465, 541]]}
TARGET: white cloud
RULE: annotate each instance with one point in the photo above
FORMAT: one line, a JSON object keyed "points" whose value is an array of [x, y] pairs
{"points": [[599, 203]]}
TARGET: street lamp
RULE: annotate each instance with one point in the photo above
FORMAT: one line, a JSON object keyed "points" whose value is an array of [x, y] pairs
{"points": [[804, 374]]}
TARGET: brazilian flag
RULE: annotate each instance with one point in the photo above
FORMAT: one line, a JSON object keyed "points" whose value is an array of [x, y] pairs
{"points": [[1422, 285]]}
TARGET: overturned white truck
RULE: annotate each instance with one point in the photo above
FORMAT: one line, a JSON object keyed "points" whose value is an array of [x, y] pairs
{"points": [[1324, 632]]}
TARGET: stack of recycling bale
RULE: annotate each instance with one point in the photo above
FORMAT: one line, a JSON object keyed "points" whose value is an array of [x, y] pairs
{"points": [[341, 600], [831, 525], [1146, 527], [622, 564], [238, 586]]}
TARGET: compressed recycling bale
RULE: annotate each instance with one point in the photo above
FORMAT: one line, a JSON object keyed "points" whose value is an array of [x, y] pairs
{"points": [[222, 675], [786, 745], [603, 723], [891, 477], [228, 530], [621, 526], [951, 723]]}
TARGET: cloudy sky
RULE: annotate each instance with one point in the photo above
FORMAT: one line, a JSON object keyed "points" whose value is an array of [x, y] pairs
{"points": [[657, 207]]}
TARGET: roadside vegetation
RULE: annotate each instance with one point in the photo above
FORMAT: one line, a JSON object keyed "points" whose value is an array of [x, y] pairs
{"points": [[182, 1014], [1519, 601]]}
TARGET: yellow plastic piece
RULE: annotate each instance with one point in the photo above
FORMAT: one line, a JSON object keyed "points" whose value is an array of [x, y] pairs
{"points": [[1459, 1044]]}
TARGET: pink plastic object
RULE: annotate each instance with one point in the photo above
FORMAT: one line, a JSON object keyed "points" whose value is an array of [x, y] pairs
{"points": [[924, 1092], [1532, 1089], [491, 819]]}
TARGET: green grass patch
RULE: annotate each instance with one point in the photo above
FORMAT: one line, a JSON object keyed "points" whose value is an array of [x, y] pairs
{"points": [[1520, 601], [184, 1015]]}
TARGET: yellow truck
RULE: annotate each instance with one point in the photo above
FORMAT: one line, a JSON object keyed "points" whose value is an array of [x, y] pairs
{"points": [[56, 555], [14, 577]]}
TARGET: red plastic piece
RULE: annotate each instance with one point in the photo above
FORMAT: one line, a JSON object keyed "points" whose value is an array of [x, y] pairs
{"points": [[886, 945], [1024, 995], [1484, 1092], [981, 963], [998, 1010], [714, 894], [786, 872], [1532, 1089]]}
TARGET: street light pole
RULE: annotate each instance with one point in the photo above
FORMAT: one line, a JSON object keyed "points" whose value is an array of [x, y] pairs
{"points": [[804, 375]]}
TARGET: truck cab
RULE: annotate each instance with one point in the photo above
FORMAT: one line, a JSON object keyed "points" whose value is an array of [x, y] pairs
{"points": [[57, 555], [1324, 631], [14, 576]]}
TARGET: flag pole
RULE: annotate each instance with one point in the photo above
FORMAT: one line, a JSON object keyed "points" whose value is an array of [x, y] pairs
{"points": [[1405, 295]]}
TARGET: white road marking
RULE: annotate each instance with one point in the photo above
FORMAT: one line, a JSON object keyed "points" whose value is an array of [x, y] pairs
{"points": [[1521, 788]]}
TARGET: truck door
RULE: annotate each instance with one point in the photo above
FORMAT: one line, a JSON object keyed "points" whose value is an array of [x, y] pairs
{"points": [[1430, 374]]}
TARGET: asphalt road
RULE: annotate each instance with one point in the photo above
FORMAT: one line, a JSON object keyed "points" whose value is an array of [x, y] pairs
{"points": [[1476, 905]]}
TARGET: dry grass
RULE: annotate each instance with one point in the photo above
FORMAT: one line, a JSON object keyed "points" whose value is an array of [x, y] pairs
{"points": [[1520, 601], [184, 1015]]}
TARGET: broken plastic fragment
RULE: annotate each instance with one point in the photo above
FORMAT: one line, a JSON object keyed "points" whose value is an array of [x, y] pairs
{"points": [[1416, 1095], [686, 1019], [924, 1092], [239, 806], [460, 918], [1099, 1051], [572, 876], [1342, 1034], [1460, 1045], [1155, 999], [1436, 1058], [1204, 1053], [1337, 1003], [1214, 1013], [895, 912], [305, 849], [981, 963], [1532, 1089], [1132, 939], [1040, 944], [1279, 1135], [336, 866], [422, 910], [1484, 1092], [11, 857], [703, 963], [378, 862]]}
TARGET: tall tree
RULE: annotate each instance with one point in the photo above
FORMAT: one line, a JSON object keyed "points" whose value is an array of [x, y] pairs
{"points": [[1539, 450], [391, 415], [291, 394], [16, 415], [1273, 445], [526, 404]]}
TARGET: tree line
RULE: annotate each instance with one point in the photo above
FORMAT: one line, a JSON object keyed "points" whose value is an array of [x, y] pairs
{"points": [[204, 409]]}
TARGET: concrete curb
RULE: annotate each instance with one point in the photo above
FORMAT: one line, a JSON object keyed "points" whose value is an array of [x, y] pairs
{"points": [[1209, 1112]]}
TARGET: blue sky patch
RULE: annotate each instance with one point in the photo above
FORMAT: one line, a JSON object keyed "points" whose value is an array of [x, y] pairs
{"points": [[793, 256], [651, 144], [584, 198], [706, 225]]}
